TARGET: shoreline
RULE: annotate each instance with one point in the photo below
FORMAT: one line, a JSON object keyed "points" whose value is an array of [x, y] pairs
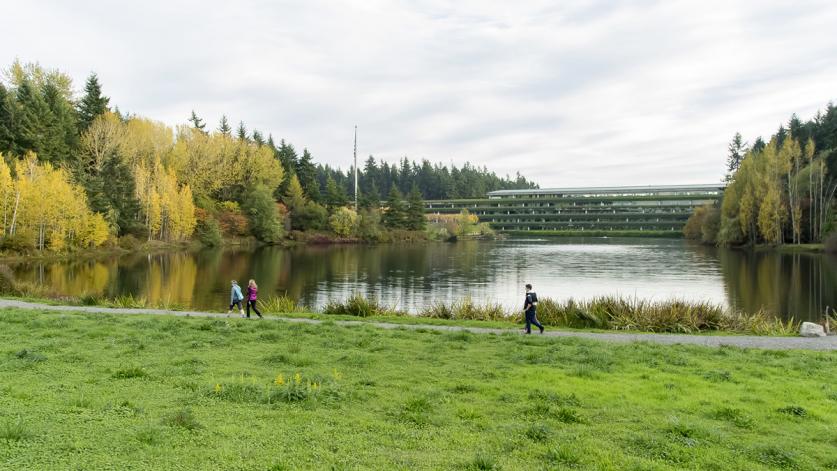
{"points": [[570, 316], [718, 341]]}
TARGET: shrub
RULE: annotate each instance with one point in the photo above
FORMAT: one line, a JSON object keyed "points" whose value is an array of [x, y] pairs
{"points": [[209, 232], [264, 215], [343, 222], [233, 223], [20, 242], [129, 242]]}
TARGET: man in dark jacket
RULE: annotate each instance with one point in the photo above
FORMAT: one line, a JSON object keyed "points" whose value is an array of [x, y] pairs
{"points": [[530, 307]]}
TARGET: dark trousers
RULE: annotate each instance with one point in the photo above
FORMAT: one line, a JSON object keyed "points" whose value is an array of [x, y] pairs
{"points": [[252, 303], [531, 319], [236, 303]]}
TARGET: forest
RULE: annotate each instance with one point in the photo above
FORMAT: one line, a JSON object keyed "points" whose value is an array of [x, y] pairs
{"points": [[78, 173], [778, 191]]}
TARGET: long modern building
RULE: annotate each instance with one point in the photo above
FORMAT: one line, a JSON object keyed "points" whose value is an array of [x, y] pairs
{"points": [[618, 208]]}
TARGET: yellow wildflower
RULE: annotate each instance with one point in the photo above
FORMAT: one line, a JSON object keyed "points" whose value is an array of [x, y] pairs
{"points": [[298, 378], [217, 388], [280, 380]]}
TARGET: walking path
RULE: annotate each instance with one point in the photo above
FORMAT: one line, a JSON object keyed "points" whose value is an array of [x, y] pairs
{"points": [[743, 341]]}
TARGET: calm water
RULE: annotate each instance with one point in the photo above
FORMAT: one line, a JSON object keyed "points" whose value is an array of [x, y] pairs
{"points": [[409, 277]]}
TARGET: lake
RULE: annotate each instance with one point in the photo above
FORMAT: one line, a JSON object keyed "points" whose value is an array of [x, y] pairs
{"points": [[412, 276]]}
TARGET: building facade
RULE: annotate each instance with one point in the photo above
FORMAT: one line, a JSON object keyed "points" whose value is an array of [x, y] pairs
{"points": [[626, 208]]}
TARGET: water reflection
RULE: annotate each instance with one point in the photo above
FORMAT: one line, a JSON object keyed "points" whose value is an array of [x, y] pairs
{"points": [[412, 276]]}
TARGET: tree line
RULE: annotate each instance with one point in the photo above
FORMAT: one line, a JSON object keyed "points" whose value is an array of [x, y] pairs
{"points": [[78, 172], [778, 191]]}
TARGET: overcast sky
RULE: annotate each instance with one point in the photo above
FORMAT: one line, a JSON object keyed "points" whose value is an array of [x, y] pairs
{"points": [[585, 93]]}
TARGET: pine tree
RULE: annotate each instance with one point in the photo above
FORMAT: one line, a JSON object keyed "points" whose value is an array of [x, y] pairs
{"points": [[197, 122], [119, 196], [415, 219], [335, 194], [737, 148], [224, 126], [307, 174], [92, 104], [242, 131], [394, 217], [258, 138], [32, 122], [6, 136], [63, 138]]}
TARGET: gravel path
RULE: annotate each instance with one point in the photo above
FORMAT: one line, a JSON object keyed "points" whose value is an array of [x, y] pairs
{"points": [[743, 341]]}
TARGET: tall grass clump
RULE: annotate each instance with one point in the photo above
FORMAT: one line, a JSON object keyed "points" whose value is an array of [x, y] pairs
{"points": [[280, 304], [466, 309], [14, 430], [678, 316], [359, 306], [127, 301]]}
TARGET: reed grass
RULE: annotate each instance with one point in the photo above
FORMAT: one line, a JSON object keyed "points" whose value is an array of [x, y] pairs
{"points": [[360, 306], [281, 304]]}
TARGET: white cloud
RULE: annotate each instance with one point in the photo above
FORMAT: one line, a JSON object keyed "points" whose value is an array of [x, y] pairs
{"points": [[580, 93]]}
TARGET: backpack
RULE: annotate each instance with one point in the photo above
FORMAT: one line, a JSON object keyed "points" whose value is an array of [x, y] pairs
{"points": [[534, 297]]}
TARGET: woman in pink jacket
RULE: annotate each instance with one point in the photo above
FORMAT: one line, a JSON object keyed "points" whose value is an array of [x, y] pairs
{"points": [[252, 296]]}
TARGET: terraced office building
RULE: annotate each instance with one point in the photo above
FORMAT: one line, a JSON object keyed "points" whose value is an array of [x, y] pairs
{"points": [[621, 208]]}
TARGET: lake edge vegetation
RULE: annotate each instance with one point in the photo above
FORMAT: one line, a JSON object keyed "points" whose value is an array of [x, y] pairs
{"points": [[606, 313], [112, 179]]}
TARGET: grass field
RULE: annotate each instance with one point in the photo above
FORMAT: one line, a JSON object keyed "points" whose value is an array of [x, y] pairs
{"points": [[85, 391]]}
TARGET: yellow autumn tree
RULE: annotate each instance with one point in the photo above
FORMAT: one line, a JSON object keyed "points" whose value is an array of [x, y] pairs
{"points": [[51, 210], [7, 192], [168, 208]]}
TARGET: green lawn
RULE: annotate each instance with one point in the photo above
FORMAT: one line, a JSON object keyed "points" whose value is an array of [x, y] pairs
{"points": [[85, 391]]}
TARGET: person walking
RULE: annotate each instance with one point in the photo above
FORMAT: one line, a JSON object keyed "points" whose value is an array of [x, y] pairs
{"points": [[235, 298], [252, 296], [530, 307]]}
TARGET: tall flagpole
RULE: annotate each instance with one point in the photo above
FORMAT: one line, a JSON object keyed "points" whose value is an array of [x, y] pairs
{"points": [[356, 208]]}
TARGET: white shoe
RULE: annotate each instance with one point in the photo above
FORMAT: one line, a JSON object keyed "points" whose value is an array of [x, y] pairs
{"points": [[242, 315]]}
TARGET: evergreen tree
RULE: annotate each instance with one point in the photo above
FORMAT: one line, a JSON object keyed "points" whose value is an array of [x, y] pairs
{"points": [[307, 174], [6, 136], [335, 194], [415, 219], [62, 140], [288, 157], [758, 145], [197, 122], [395, 215], [258, 138], [224, 126], [372, 198], [242, 131], [737, 149], [32, 122], [119, 203], [92, 104]]}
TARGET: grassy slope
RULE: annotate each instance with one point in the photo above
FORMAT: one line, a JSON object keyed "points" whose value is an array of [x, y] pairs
{"points": [[98, 391]]}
